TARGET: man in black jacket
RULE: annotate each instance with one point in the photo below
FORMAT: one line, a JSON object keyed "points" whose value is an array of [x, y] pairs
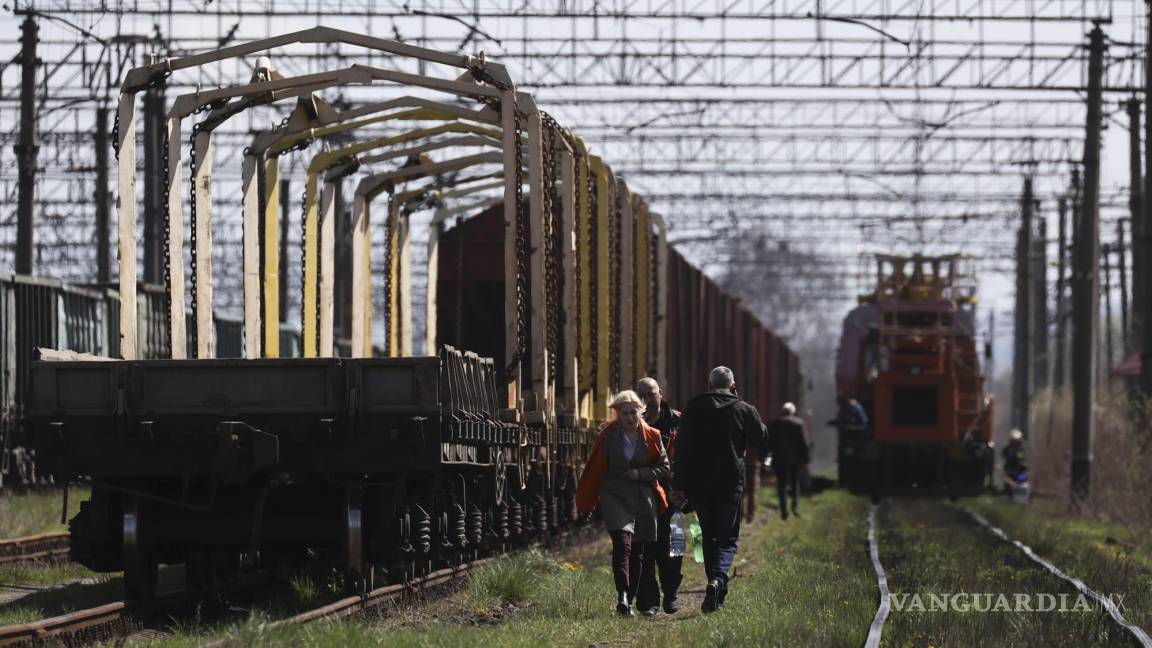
{"points": [[661, 416], [789, 455], [716, 431]]}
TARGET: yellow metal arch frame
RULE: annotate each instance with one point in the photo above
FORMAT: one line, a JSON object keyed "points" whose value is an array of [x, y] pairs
{"points": [[322, 163], [397, 227], [261, 166], [154, 75]]}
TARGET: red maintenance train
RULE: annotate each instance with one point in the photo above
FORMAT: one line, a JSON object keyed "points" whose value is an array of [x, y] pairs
{"points": [[913, 415]]}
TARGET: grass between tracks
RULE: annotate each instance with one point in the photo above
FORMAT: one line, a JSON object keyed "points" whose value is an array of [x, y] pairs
{"points": [[1110, 558], [37, 512], [803, 582], [931, 548]]}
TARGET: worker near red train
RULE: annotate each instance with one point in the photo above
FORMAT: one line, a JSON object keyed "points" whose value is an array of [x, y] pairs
{"points": [[623, 476], [716, 432], [660, 415], [789, 447]]}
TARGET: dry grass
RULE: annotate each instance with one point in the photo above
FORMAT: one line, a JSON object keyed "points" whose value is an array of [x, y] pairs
{"points": [[37, 512], [1122, 457]]}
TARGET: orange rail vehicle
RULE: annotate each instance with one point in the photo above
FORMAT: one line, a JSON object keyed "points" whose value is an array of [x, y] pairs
{"points": [[913, 415]]}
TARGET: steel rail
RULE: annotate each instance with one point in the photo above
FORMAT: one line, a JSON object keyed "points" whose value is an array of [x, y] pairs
{"points": [[439, 579], [1137, 632], [877, 628], [108, 622], [42, 547]]}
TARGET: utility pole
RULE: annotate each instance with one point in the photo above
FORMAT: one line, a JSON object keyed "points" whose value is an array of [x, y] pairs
{"points": [[1109, 354], [155, 208], [1145, 241], [989, 357], [1086, 279], [1022, 334], [1134, 326], [26, 148], [1122, 269], [1040, 307], [103, 204], [1060, 347]]}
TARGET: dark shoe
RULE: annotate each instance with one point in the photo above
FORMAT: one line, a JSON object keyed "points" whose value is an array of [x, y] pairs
{"points": [[711, 596], [670, 606], [721, 597], [651, 612], [623, 608], [783, 513]]}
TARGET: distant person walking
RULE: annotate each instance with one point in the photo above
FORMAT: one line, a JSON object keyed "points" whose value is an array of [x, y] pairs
{"points": [[716, 431], [661, 416], [622, 477], [789, 449]]}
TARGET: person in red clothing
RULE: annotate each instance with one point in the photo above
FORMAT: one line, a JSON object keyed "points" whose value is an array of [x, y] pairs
{"points": [[623, 476]]}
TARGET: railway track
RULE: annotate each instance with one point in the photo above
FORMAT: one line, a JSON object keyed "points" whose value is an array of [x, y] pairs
{"points": [[116, 621], [876, 630], [43, 547], [104, 623], [1113, 611]]}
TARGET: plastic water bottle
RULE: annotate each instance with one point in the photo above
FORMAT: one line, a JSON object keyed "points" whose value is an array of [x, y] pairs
{"points": [[676, 535]]}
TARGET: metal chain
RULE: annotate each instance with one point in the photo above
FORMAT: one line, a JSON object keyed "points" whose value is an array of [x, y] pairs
{"points": [[551, 247], [303, 258], [207, 124], [578, 275], [653, 302], [167, 236], [521, 250], [483, 76], [388, 275], [155, 82], [192, 231], [615, 267], [634, 263], [593, 278]]}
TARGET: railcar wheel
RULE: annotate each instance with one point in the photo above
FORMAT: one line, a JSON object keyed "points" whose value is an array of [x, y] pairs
{"points": [[140, 565], [354, 580], [499, 477]]}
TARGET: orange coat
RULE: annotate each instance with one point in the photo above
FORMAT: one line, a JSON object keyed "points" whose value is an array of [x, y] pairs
{"points": [[588, 490]]}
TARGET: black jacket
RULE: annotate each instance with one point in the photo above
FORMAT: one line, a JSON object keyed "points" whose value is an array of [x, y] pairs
{"points": [[668, 422], [716, 431], [786, 441]]}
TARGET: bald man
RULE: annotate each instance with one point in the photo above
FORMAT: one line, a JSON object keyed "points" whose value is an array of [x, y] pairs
{"points": [[660, 415]]}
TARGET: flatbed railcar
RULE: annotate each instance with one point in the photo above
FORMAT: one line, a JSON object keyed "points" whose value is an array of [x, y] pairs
{"points": [[385, 465]]}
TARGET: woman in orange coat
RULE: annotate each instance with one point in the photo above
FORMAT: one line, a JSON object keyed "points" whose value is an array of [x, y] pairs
{"points": [[622, 476]]}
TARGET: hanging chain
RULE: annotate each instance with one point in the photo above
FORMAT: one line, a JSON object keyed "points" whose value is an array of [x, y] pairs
{"points": [[303, 257], [634, 264], [551, 247], [521, 225], [653, 302], [615, 267], [206, 125], [578, 276], [593, 278], [521, 249], [192, 235], [156, 81], [167, 236], [388, 234]]}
